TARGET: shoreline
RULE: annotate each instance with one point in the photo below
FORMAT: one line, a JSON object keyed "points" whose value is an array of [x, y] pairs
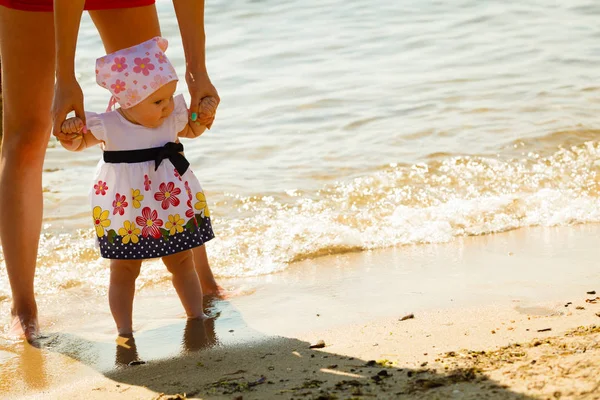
{"points": [[459, 293]]}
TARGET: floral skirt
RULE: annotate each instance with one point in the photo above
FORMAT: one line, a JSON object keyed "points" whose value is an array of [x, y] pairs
{"points": [[140, 213]]}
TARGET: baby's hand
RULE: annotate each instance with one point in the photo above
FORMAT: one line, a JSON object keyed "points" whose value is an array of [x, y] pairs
{"points": [[207, 108], [206, 112], [72, 125]]}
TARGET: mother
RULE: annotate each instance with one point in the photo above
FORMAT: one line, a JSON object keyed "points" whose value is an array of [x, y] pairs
{"points": [[30, 59]]}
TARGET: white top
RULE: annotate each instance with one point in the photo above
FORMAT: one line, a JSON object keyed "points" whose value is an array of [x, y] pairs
{"points": [[118, 133]]}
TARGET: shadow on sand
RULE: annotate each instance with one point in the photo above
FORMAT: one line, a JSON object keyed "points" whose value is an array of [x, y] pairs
{"points": [[255, 367]]}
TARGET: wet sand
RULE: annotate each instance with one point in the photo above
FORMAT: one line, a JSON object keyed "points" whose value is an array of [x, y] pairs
{"points": [[495, 294]]}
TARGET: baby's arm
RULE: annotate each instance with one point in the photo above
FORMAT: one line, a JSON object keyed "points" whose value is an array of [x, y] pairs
{"points": [[193, 129], [79, 141]]}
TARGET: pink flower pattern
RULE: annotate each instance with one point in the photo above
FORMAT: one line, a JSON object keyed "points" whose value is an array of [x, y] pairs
{"points": [[119, 204], [161, 58], [167, 194], [188, 190], [101, 188], [118, 86], [119, 65], [190, 211], [158, 81], [143, 66], [147, 183], [132, 96], [150, 223], [177, 174]]}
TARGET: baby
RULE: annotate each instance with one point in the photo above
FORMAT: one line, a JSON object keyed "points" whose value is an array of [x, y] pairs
{"points": [[146, 201]]}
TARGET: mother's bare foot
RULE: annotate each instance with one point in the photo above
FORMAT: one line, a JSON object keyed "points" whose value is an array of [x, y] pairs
{"points": [[25, 325]]}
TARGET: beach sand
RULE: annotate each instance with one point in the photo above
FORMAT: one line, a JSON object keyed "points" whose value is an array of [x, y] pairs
{"points": [[501, 316]]}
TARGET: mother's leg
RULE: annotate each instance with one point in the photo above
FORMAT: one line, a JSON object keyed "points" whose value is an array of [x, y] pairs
{"points": [[27, 52], [126, 27]]}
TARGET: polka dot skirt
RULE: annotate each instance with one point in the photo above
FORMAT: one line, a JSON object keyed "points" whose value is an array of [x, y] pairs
{"points": [[149, 247]]}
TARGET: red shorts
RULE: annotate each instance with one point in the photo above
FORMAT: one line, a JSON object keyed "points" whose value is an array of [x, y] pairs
{"points": [[46, 5]]}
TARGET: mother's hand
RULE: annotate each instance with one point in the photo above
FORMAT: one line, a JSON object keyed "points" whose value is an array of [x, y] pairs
{"points": [[200, 86], [67, 97]]}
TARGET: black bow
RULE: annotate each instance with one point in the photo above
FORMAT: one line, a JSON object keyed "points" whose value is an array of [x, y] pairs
{"points": [[172, 151]]}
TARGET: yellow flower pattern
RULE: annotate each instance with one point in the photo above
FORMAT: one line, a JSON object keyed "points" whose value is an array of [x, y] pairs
{"points": [[137, 198], [201, 205], [101, 220], [130, 235], [130, 232], [174, 224]]}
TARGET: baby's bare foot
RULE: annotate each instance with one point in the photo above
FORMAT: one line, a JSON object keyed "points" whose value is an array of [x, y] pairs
{"points": [[210, 288], [219, 292]]}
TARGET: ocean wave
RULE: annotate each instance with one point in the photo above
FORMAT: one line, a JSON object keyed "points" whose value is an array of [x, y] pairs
{"points": [[431, 202], [424, 203]]}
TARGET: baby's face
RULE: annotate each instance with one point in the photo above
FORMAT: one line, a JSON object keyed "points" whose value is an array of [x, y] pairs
{"points": [[154, 109]]}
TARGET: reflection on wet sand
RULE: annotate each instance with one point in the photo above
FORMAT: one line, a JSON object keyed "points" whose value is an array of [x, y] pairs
{"points": [[29, 369], [23, 366], [199, 335]]}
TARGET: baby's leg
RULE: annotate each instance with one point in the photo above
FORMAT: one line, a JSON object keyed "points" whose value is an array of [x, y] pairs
{"points": [[210, 287], [123, 274], [186, 282]]}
